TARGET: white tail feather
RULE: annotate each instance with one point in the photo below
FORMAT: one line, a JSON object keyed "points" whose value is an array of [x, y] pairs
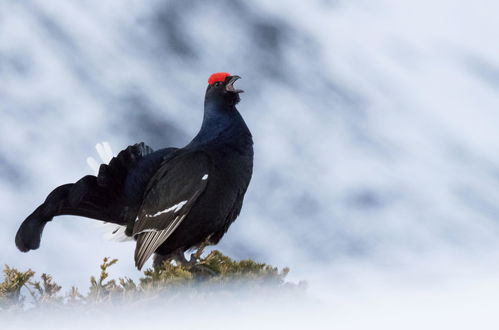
{"points": [[112, 231], [93, 164], [105, 152]]}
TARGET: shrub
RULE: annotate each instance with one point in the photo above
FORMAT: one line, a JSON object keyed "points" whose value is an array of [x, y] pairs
{"points": [[214, 273]]}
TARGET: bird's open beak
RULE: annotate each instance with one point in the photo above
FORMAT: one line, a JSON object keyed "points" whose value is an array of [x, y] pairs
{"points": [[230, 85]]}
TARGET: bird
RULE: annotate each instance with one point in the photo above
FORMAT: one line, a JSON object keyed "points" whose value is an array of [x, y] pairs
{"points": [[171, 200]]}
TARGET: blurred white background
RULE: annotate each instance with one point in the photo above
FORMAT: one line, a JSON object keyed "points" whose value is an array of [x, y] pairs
{"points": [[375, 127]]}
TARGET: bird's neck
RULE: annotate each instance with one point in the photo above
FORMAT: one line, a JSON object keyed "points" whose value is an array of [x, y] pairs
{"points": [[220, 124]]}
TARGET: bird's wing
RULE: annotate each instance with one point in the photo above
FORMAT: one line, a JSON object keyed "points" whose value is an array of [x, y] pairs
{"points": [[169, 197]]}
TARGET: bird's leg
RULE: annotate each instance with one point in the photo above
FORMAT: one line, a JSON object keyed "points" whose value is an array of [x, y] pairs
{"points": [[197, 255], [159, 260], [200, 269], [179, 257]]}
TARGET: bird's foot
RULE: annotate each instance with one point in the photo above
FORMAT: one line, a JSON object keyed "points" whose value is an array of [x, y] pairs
{"points": [[178, 256], [194, 265], [196, 256]]}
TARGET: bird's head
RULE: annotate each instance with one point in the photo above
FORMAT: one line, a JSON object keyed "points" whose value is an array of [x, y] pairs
{"points": [[221, 89]]}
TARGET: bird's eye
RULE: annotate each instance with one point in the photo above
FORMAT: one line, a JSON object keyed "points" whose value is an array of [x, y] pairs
{"points": [[218, 83]]}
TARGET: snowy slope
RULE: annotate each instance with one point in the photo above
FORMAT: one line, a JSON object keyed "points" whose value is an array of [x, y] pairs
{"points": [[375, 124]]}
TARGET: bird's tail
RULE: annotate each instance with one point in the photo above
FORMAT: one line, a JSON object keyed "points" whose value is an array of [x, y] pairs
{"points": [[98, 197], [86, 198], [29, 234]]}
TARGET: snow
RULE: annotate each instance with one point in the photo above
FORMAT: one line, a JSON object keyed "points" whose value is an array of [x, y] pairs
{"points": [[375, 127]]}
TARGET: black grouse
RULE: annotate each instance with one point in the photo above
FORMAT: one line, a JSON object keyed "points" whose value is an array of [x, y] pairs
{"points": [[170, 200]]}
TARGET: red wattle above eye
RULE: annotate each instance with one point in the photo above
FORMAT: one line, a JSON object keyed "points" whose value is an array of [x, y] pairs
{"points": [[216, 77]]}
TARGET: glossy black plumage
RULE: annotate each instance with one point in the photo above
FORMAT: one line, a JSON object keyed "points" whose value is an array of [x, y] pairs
{"points": [[172, 199]]}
